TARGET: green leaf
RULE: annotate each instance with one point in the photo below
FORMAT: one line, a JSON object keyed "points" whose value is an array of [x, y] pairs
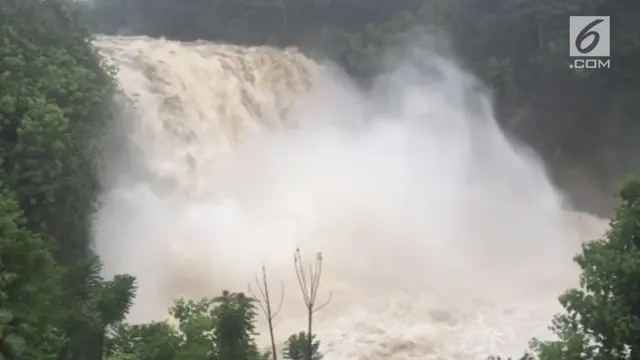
{"points": [[16, 343], [5, 316]]}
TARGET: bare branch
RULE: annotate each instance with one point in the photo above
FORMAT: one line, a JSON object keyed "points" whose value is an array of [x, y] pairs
{"points": [[265, 304], [325, 303], [302, 277], [275, 313], [309, 286], [260, 300]]}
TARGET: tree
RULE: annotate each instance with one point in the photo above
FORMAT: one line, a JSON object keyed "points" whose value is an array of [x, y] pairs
{"points": [[265, 305], [54, 103], [29, 288], [92, 305], [235, 317], [602, 318], [309, 284], [207, 329], [297, 347], [220, 328], [153, 341]]}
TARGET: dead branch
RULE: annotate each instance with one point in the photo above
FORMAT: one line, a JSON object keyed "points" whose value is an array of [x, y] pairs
{"points": [[309, 284], [264, 301]]}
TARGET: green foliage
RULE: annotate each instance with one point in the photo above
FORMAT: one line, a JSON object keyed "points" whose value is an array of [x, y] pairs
{"points": [[297, 345], [602, 319], [28, 287], [47, 307], [53, 104], [92, 304], [154, 341], [235, 317], [215, 329], [11, 344], [524, 357], [197, 324]]}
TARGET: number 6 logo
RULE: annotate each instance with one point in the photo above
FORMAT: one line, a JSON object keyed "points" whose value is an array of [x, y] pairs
{"points": [[584, 34], [589, 36]]}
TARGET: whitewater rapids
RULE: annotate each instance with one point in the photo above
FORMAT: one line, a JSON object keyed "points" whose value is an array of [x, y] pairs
{"points": [[441, 238]]}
